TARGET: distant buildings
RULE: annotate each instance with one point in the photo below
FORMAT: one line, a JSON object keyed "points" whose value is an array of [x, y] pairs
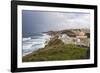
{"points": [[72, 36], [75, 37], [81, 35]]}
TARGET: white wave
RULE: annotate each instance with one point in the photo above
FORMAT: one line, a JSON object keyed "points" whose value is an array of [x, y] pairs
{"points": [[30, 45], [25, 39]]}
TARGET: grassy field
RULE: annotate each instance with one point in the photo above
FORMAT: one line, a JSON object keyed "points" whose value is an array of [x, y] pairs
{"points": [[57, 50]]}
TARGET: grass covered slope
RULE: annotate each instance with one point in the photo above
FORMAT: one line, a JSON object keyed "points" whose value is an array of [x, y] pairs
{"points": [[57, 50]]}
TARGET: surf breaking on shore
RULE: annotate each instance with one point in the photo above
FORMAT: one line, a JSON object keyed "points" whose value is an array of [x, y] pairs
{"points": [[34, 43]]}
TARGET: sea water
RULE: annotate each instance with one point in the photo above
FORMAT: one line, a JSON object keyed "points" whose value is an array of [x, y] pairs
{"points": [[34, 43]]}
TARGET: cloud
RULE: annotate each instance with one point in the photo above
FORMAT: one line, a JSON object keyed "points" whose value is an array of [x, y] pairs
{"points": [[68, 20], [35, 21]]}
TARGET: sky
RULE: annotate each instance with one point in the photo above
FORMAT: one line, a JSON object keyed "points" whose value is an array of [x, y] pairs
{"points": [[42, 21]]}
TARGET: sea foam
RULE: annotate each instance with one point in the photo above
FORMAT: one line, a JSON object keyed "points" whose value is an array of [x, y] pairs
{"points": [[31, 44]]}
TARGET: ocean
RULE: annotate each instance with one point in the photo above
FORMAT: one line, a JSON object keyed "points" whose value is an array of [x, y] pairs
{"points": [[34, 42]]}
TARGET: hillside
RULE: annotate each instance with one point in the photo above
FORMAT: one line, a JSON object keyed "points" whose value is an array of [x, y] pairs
{"points": [[57, 50]]}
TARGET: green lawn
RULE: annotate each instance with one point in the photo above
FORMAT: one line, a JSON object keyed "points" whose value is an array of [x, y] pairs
{"points": [[57, 50]]}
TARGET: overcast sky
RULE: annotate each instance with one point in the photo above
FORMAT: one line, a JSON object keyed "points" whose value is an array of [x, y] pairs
{"points": [[36, 21]]}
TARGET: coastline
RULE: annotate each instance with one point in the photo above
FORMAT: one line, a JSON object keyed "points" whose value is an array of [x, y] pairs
{"points": [[62, 45], [33, 44], [57, 50]]}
